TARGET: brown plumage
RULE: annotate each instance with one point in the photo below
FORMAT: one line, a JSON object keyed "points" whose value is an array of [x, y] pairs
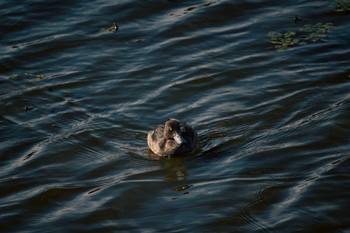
{"points": [[172, 138]]}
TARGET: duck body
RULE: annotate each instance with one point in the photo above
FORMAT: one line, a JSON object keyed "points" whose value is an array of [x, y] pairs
{"points": [[172, 138]]}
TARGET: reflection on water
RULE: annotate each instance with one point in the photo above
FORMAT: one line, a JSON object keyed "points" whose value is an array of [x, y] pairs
{"points": [[78, 97], [176, 169]]}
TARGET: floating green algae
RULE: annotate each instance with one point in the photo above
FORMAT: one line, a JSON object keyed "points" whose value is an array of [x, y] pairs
{"points": [[342, 5], [307, 34], [283, 41], [314, 33]]}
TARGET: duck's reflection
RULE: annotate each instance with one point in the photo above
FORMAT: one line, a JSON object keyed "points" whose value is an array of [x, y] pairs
{"points": [[175, 169]]}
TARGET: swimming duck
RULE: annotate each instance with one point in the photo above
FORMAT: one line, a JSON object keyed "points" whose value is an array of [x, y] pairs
{"points": [[172, 138]]}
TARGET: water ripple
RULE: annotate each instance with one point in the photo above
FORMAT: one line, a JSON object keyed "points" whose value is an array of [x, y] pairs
{"points": [[77, 101]]}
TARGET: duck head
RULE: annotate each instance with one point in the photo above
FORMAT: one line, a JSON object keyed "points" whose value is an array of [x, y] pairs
{"points": [[172, 131]]}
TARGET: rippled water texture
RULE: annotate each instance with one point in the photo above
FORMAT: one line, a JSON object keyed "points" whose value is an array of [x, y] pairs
{"points": [[77, 99]]}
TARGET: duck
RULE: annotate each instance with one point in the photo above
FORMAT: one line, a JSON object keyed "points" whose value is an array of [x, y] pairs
{"points": [[172, 138]]}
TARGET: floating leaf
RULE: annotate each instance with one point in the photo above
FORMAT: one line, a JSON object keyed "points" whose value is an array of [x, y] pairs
{"points": [[113, 28], [38, 76], [139, 40]]}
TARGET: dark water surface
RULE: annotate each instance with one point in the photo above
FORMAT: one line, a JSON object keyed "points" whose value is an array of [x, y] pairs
{"points": [[77, 100]]}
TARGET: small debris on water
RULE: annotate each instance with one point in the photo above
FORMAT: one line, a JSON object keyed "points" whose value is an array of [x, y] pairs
{"points": [[113, 28], [182, 188], [296, 19], [27, 108], [37, 76]]}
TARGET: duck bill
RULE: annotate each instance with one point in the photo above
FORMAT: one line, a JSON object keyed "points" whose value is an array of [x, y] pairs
{"points": [[179, 139]]}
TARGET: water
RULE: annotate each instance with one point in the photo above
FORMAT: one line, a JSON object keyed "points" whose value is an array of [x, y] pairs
{"points": [[77, 101]]}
